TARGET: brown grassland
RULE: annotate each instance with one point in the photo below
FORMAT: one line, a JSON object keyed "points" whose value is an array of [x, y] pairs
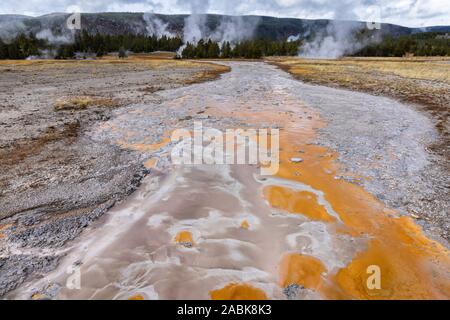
{"points": [[138, 62]]}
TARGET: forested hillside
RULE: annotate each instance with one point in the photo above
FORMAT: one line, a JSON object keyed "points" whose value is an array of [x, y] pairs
{"points": [[46, 36]]}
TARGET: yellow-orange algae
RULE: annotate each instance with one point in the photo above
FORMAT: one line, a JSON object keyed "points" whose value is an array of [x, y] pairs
{"points": [[38, 296], [238, 291], [413, 265], [144, 147], [401, 245], [301, 202], [184, 237], [245, 224], [302, 270], [151, 163]]}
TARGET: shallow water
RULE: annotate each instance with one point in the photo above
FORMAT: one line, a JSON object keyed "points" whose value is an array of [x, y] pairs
{"points": [[224, 231]]}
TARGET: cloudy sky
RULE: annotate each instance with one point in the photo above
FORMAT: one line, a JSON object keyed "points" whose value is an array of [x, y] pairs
{"points": [[414, 13]]}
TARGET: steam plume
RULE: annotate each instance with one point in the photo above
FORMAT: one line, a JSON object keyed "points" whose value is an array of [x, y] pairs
{"points": [[338, 39], [234, 29], [47, 34], [156, 27], [231, 28]]}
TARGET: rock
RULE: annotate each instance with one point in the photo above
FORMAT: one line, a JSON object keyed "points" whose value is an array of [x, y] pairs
{"points": [[292, 291], [186, 244], [296, 160], [187, 118], [39, 296]]}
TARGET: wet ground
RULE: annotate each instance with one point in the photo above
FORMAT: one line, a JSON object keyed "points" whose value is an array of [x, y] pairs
{"points": [[421, 82], [312, 231]]}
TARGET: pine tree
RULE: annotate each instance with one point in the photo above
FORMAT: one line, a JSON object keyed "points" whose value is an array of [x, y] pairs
{"points": [[14, 51], [3, 50], [122, 53], [226, 50], [100, 52]]}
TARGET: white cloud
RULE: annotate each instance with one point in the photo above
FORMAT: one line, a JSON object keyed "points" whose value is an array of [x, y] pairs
{"points": [[403, 12]]}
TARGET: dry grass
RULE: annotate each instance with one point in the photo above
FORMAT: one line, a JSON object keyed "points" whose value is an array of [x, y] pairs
{"points": [[212, 73], [82, 102], [134, 63], [434, 69], [21, 149], [150, 61]]}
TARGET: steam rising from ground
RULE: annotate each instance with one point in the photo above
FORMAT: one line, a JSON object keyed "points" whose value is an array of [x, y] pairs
{"points": [[338, 39], [156, 27], [195, 23], [231, 28], [11, 28], [234, 29], [43, 54], [48, 35], [194, 28], [54, 39]]}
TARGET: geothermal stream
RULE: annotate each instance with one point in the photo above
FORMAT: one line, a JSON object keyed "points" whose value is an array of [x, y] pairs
{"points": [[226, 231]]}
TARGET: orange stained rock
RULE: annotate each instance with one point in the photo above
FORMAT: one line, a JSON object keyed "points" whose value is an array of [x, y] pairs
{"points": [[245, 225], [409, 257], [184, 237], [151, 163], [144, 147], [400, 276], [301, 202], [4, 227], [38, 296], [300, 269], [136, 297], [238, 291]]}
